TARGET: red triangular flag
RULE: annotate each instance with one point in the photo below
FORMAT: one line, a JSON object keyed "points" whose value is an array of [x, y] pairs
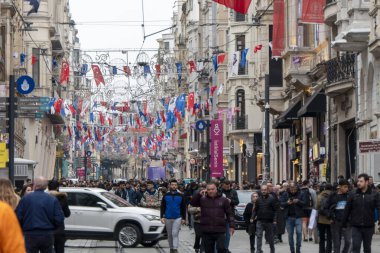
{"points": [[212, 90], [158, 70], [238, 5], [221, 58], [65, 73], [127, 70], [192, 66], [190, 101], [34, 59], [98, 76]]}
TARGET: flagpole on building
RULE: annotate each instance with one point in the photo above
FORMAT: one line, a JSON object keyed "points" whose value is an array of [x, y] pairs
{"points": [[267, 141]]}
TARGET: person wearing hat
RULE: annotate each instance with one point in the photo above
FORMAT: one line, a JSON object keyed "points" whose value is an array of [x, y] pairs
{"points": [[334, 210]]}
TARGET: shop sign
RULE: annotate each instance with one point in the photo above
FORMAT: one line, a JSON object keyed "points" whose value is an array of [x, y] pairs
{"points": [[216, 163], [3, 155], [369, 146]]}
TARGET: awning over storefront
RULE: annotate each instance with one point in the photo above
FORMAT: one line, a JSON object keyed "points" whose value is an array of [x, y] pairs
{"points": [[314, 105], [285, 120]]}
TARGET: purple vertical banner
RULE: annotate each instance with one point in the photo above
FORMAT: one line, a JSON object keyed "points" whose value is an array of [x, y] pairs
{"points": [[216, 152]]}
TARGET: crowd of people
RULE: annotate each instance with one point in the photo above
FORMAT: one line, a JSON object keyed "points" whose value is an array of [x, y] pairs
{"points": [[340, 217]]}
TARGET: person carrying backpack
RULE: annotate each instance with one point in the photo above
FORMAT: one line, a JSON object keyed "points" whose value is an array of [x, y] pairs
{"points": [[324, 223], [310, 201]]}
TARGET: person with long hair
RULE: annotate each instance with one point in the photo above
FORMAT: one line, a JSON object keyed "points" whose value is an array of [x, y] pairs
{"points": [[27, 188], [8, 194]]}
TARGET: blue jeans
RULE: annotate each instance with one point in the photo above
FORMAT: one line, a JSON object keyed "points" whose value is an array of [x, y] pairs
{"points": [[228, 236], [291, 224]]}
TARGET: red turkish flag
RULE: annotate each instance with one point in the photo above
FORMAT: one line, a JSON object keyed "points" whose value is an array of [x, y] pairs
{"points": [[98, 76], [238, 5], [190, 101], [312, 11], [127, 70], [221, 58], [158, 70], [278, 41], [65, 73], [192, 66]]}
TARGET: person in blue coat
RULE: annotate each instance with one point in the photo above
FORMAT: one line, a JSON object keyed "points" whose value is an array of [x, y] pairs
{"points": [[173, 214]]}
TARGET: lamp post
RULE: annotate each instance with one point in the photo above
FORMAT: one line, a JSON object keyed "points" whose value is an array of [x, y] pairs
{"points": [[267, 108]]}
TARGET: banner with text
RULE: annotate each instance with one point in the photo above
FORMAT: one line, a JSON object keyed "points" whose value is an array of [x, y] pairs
{"points": [[312, 11], [216, 163]]}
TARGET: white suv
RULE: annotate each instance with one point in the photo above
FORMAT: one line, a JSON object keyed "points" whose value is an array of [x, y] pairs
{"points": [[99, 214]]}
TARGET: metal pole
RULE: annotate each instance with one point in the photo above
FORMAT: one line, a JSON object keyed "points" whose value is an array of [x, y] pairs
{"points": [[85, 166], [267, 107], [11, 129]]}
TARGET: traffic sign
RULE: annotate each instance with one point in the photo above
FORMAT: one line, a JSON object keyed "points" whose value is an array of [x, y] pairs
{"points": [[33, 107], [25, 85], [201, 125], [37, 115], [42, 100]]}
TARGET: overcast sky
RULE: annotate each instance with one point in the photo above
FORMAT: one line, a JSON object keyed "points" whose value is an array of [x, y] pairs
{"points": [[117, 23]]}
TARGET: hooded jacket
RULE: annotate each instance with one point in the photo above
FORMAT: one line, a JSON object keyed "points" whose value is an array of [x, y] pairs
{"points": [[321, 218], [214, 212]]}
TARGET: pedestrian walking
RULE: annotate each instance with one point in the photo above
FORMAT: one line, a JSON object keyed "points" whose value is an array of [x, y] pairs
{"points": [[7, 193], [27, 188], [233, 198], [310, 202], [360, 212], [215, 209], [59, 234], [250, 220], [324, 223], [173, 214], [11, 238], [266, 213], [334, 210], [293, 202], [39, 214], [196, 214], [151, 198]]}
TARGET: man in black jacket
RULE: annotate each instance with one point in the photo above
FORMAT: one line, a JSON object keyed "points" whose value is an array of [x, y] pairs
{"points": [[59, 235], [360, 208], [214, 209], [334, 210], [232, 196], [266, 211], [293, 202]]}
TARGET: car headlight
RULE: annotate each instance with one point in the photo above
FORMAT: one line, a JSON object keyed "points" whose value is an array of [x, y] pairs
{"points": [[151, 217]]}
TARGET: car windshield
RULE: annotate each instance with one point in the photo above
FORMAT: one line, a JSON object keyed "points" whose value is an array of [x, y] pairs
{"points": [[244, 196], [116, 199]]}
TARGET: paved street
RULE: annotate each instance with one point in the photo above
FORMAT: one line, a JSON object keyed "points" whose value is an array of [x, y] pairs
{"points": [[239, 244]]}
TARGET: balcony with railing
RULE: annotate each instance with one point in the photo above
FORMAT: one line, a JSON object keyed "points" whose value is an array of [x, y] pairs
{"points": [[340, 74], [240, 122], [330, 12]]}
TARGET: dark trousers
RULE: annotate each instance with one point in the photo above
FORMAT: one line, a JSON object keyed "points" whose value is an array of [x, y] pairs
{"points": [[39, 243], [325, 241], [212, 240], [337, 232], [198, 244], [268, 228], [359, 235], [59, 243], [252, 242]]}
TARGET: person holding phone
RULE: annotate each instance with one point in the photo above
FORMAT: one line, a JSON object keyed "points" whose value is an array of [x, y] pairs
{"points": [[215, 208]]}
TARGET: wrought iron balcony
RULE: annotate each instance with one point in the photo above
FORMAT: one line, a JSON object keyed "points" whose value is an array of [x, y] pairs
{"points": [[240, 123], [341, 68], [340, 74]]}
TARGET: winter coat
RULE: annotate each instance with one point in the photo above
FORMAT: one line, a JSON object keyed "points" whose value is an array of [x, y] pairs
{"points": [[214, 213], [321, 218], [151, 199], [361, 208], [267, 208], [39, 212], [62, 198], [173, 206], [231, 195], [297, 208], [11, 237]]}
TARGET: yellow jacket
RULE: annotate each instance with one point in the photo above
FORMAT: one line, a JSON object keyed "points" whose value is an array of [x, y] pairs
{"points": [[11, 237]]}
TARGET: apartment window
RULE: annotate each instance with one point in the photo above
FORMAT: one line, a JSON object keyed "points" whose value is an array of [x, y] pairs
{"points": [[167, 46], [36, 66], [240, 46], [240, 17], [275, 66]]}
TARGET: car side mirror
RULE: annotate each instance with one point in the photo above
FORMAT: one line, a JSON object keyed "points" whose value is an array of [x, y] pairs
{"points": [[102, 205]]}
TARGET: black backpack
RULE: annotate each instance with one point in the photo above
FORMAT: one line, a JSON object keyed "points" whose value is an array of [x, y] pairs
{"points": [[323, 210], [308, 198]]}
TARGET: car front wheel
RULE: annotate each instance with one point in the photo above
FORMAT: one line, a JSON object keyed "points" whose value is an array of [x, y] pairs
{"points": [[129, 235]]}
